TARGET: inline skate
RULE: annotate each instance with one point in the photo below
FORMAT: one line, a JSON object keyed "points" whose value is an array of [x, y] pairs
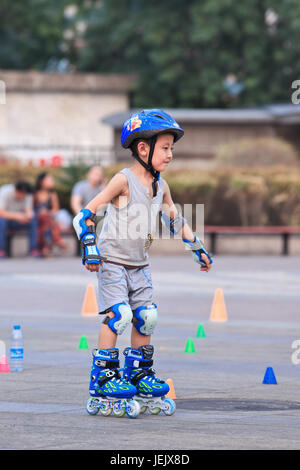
{"points": [[110, 393], [150, 390]]}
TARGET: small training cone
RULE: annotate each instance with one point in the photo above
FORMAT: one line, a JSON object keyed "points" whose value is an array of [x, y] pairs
{"points": [[83, 344], [171, 393], [200, 332], [4, 366], [218, 310], [269, 378], [90, 304], [190, 347]]}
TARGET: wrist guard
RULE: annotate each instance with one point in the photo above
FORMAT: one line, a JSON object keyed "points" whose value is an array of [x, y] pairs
{"points": [[79, 222], [87, 235], [90, 251], [197, 248]]}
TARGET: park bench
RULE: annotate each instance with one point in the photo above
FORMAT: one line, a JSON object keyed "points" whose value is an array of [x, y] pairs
{"points": [[213, 231], [21, 233]]}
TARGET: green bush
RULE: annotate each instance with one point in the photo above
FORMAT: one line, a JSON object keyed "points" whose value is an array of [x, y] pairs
{"points": [[260, 196], [260, 151], [231, 196]]}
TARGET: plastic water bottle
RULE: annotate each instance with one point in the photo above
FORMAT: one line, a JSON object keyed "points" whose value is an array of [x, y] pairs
{"points": [[16, 349]]}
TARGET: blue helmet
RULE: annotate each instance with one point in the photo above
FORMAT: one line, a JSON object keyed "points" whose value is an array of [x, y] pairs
{"points": [[147, 124]]}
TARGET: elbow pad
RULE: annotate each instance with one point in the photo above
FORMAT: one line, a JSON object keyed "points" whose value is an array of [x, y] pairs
{"points": [[174, 225]]}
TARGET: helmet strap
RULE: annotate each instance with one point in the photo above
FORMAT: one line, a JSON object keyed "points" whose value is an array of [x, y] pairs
{"points": [[153, 172], [148, 166]]}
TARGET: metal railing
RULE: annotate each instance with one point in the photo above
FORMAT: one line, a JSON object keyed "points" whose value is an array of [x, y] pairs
{"points": [[70, 154]]}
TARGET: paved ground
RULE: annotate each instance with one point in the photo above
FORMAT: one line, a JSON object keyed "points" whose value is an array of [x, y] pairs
{"points": [[221, 404]]}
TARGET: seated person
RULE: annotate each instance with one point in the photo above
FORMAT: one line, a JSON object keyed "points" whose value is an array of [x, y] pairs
{"points": [[46, 204], [84, 191], [16, 213]]}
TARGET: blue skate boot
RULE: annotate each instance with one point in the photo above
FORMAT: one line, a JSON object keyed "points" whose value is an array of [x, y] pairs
{"points": [[108, 390], [150, 390]]}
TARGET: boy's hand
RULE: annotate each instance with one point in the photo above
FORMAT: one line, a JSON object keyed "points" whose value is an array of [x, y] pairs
{"points": [[84, 225], [90, 253], [93, 267], [200, 255], [207, 262]]}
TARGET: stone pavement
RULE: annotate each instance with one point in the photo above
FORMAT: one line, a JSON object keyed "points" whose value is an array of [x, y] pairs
{"points": [[221, 402]]}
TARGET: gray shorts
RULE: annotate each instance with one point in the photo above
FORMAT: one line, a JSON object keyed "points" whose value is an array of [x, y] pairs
{"points": [[118, 284]]}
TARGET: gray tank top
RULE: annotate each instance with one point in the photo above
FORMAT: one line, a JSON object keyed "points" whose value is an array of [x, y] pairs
{"points": [[128, 232]]}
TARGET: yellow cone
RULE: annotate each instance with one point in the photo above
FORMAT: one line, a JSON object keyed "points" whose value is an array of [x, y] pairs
{"points": [[171, 393], [90, 304], [218, 310]]}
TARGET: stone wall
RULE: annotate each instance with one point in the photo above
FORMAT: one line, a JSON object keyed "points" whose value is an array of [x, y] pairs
{"points": [[46, 114]]}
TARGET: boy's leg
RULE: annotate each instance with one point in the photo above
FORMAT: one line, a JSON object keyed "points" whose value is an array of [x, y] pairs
{"points": [[138, 368], [107, 338], [112, 293], [108, 390], [137, 339], [144, 318]]}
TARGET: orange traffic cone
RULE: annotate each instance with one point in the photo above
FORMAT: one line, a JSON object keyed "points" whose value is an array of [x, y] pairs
{"points": [[90, 304], [218, 310], [4, 366], [171, 393]]}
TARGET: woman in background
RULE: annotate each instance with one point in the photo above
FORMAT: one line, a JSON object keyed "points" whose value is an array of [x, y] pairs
{"points": [[46, 205]]}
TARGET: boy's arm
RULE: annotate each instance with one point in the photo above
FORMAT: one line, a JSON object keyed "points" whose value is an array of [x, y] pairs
{"points": [[171, 218], [171, 212], [84, 223], [113, 190]]}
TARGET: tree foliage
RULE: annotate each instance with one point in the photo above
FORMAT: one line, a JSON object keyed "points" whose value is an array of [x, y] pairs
{"points": [[35, 34], [198, 53]]}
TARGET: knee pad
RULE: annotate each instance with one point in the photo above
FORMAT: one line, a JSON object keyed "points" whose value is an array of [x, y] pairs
{"points": [[123, 317], [145, 319]]}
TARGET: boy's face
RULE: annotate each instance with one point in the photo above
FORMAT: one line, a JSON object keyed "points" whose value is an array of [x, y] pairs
{"points": [[162, 155], [163, 152]]}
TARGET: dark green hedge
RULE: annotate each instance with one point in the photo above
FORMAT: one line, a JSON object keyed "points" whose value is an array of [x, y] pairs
{"points": [[240, 196]]}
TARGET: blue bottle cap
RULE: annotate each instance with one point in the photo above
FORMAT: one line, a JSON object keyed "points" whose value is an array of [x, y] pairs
{"points": [[17, 327]]}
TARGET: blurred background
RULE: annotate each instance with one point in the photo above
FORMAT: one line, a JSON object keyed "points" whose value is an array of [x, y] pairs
{"points": [[71, 72]]}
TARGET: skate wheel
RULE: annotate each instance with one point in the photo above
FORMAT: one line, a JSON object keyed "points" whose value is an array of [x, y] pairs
{"points": [[154, 411], [143, 409], [106, 410], [118, 410], [90, 408], [170, 406], [134, 409]]}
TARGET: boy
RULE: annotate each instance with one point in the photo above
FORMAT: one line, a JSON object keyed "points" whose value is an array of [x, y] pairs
{"points": [[125, 287]]}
